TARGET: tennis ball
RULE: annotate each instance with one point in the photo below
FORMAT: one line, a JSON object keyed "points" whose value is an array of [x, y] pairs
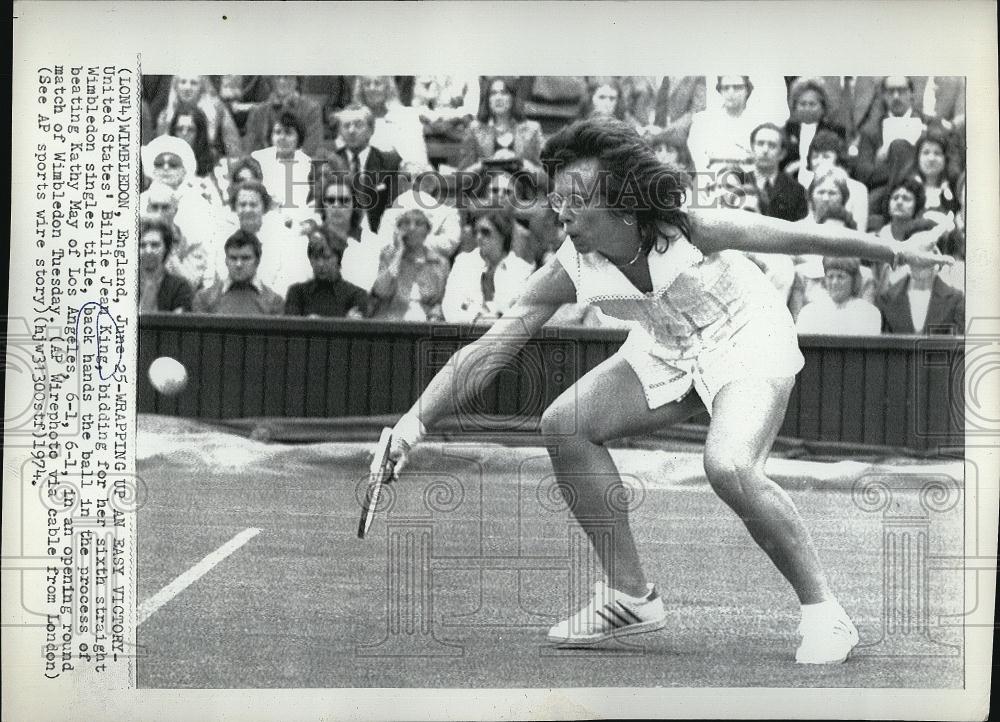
{"points": [[168, 375]]}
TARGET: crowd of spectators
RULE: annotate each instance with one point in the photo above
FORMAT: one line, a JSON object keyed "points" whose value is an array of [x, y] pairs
{"points": [[350, 196]]}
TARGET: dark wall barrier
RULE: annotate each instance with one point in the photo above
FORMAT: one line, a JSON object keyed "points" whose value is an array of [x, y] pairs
{"points": [[884, 391]]}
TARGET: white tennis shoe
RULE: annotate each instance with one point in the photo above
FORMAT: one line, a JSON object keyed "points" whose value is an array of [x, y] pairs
{"points": [[608, 615], [828, 640]]}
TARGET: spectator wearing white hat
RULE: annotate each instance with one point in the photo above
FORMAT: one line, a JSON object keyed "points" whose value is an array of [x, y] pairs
{"points": [[170, 160]]}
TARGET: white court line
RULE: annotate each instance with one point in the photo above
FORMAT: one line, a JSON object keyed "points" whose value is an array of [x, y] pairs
{"points": [[185, 580]]}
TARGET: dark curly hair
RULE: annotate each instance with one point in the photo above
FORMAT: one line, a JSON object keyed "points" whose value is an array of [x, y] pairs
{"points": [[289, 121], [938, 137], [244, 239], [254, 186], [151, 223], [915, 186], [634, 182], [827, 140], [241, 163]]}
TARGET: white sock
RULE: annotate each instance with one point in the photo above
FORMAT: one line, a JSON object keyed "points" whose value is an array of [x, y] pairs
{"points": [[812, 613]]}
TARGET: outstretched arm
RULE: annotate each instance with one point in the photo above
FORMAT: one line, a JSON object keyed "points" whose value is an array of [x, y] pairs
{"points": [[475, 365], [717, 230]]}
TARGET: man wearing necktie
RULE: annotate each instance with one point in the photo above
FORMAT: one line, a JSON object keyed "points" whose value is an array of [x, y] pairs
{"points": [[890, 142], [780, 195], [667, 101], [941, 97], [854, 100], [374, 172]]}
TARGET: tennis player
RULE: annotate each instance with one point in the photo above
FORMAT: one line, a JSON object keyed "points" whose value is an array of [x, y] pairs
{"points": [[707, 320]]}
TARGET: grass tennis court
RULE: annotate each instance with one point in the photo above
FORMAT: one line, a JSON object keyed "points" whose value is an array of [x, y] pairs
{"points": [[250, 573]]}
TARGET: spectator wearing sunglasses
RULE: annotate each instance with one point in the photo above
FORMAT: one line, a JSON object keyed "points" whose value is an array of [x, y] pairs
{"points": [[170, 160], [485, 283], [720, 136], [348, 226]]}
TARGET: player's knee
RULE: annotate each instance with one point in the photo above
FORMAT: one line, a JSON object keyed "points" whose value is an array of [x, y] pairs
{"points": [[732, 475], [557, 421], [561, 422]]}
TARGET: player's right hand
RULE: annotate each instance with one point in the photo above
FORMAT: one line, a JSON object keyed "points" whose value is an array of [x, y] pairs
{"points": [[406, 434], [920, 249]]}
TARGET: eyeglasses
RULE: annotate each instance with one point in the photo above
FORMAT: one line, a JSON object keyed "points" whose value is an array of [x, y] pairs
{"points": [[574, 202], [342, 201], [167, 162]]}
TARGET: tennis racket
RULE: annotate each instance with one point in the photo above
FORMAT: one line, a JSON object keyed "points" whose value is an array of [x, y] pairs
{"points": [[379, 473]]}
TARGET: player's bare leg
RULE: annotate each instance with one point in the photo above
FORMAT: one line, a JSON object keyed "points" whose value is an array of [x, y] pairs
{"points": [[746, 417], [608, 403]]}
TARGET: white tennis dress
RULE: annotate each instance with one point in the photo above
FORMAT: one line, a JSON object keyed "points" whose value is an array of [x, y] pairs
{"points": [[709, 319]]}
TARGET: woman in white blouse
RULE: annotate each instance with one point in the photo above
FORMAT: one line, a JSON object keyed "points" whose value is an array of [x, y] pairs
{"points": [[840, 311], [397, 128], [721, 136], [285, 168], [485, 283]]}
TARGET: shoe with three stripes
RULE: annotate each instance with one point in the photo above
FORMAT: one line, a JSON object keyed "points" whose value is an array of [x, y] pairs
{"points": [[608, 615]]}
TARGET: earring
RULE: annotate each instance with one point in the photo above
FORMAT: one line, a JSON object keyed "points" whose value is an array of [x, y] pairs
{"points": [[627, 221]]}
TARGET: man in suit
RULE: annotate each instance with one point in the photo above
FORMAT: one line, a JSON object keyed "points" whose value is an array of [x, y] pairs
{"points": [[375, 173], [941, 97], [780, 195], [668, 101], [876, 151], [922, 303], [854, 100]]}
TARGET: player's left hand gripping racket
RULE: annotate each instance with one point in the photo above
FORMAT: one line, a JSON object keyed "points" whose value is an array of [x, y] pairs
{"points": [[379, 473]]}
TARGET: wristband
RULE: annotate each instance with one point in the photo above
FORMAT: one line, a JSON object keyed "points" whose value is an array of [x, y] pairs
{"points": [[408, 431]]}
